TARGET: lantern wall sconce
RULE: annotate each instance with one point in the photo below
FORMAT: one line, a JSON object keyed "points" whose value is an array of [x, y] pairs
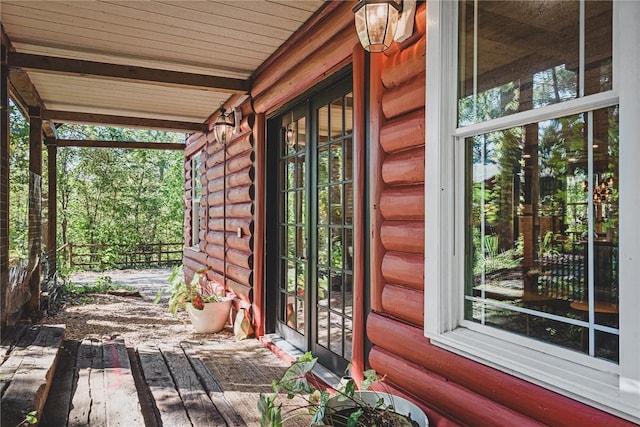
{"points": [[380, 22], [227, 124]]}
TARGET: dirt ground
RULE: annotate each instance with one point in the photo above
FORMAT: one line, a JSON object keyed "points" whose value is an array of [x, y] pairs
{"points": [[137, 319]]}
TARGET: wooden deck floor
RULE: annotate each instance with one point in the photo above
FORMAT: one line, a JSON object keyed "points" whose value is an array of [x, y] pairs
{"points": [[107, 382], [102, 383]]}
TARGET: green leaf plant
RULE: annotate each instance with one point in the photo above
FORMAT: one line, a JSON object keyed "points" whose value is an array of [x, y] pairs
{"points": [[195, 292], [296, 382]]}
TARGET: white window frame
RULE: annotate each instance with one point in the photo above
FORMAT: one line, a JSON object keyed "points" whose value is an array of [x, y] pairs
{"points": [[614, 388]]}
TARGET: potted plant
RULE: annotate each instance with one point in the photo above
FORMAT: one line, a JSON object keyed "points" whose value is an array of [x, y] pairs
{"points": [[346, 407], [203, 300]]}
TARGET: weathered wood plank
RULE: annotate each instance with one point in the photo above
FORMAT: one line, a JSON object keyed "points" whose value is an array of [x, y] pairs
{"points": [[98, 412], [200, 408], [56, 409], [10, 336], [81, 402], [212, 387], [30, 383], [17, 352], [162, 387], [123, 405]]}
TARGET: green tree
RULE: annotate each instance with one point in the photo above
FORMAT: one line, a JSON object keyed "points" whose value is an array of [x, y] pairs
{"points": [[18, 183]]}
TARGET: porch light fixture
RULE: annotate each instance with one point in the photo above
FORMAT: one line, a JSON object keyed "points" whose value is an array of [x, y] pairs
{"points": [[290, 133], [226, 125], [376, 22]]}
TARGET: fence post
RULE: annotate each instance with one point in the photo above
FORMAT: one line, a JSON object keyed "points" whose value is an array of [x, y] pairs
{"points": [[159, 254], [70, 254]]}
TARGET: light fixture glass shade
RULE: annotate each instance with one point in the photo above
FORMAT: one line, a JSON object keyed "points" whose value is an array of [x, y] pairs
{"points": [[223, 127], [376, 22]]}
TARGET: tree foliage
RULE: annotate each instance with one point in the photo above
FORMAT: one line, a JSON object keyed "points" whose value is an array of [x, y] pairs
{"points": [[105, 195], [119, 196]]}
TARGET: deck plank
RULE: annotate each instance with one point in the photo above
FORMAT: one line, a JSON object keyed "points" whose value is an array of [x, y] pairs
{"points": [[30, 382], [56, 410], [81, 402], [200, 408], [98, 412], [10, 336], [123, 406], [212, 387], [16, 352], [163, 389]]}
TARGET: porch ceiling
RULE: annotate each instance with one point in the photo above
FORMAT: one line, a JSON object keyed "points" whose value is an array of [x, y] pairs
{"points": [[165, 60]]}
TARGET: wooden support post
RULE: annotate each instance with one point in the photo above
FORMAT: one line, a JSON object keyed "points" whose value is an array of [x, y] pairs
{"points": [[35, 206], [4, 181], [376, 159], [359, 170], [52, 209], [259, 283]]}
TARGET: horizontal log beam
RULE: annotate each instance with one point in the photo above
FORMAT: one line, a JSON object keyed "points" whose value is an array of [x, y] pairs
{"points": [[462, 404], [118, 144], [128, 72], [124, 121], [308, 39], [405, 65], [407, 97], [406, 167], [404, 303], [403, 236], [404, 269], [403, 202], [404, 132], [520, 395]]}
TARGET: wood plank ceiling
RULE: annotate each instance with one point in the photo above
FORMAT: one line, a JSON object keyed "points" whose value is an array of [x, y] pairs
{"points": [[214, 46]]}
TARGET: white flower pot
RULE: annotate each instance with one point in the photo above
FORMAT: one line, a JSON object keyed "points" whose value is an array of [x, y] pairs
{"points": [[212, 318], [401, 405]]}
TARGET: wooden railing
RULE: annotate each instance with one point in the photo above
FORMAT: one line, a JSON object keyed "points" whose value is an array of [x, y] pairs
{"points": [[99, 256]]}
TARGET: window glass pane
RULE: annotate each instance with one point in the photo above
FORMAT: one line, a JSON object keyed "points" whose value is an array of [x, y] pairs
{"points": [[598, 46], [348, 159], [323, 246], [323, 327], [290, 168], [323, 124], [336, 118], [323, 205], [348, 113], [323, 165], [300, 313], [336, 204], [542, 201], [520, 55], [301, 133], [336, 332], [336, 161]]}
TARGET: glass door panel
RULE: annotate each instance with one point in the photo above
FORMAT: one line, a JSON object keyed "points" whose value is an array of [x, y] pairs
{"points": [[333, 305], [293, 230], [315, 226]]}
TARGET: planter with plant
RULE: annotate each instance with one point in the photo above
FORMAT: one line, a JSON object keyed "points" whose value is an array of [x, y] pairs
{"points": [[203, 300], [346, 407]]}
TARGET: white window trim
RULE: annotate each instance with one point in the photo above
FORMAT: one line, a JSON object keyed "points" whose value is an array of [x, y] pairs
{"points": [[613, 388]]}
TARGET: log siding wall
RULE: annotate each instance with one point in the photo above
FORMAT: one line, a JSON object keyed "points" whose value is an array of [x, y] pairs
{"points": [[226, 205], [454, 389]]}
